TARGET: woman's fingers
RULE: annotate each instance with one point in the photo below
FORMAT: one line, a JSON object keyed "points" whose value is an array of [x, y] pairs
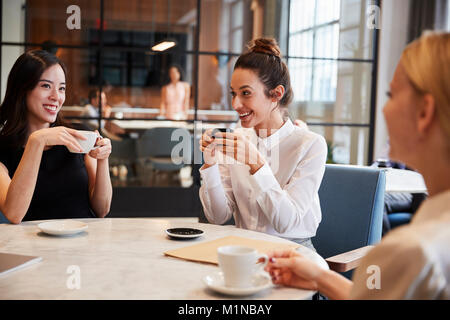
{"points": [[75, 133], [205, 143], [102, 142], [104, 149], [71, 144], [282, 262], [69, 137]]}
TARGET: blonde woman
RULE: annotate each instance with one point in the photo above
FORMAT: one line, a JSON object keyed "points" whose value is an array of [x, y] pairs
{"points": [[413, 261]]}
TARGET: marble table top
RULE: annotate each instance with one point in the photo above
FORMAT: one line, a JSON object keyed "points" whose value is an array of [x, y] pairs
{"points": [[121, 259]]}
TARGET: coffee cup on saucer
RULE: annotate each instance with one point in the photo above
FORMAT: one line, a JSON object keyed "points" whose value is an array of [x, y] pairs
{"points": [[240, 265]]}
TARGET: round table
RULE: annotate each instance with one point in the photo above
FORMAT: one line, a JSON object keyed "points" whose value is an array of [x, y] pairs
{"points": [[121, 259]]}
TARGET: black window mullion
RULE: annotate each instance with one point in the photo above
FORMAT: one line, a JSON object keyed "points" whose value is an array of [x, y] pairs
{"points": [[1, 40], [100, 66], [197, 60], [373, 94], [288, 34]]}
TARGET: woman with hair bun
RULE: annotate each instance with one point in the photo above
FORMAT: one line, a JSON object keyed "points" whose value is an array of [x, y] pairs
{"points": [[271, 185]]}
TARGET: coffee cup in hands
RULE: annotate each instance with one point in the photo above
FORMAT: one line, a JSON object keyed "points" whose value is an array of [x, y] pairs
{"points": [[88, 144], [240, 264], [223, 130]]}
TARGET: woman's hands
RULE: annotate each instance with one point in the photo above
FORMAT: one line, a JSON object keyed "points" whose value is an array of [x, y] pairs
{"points": [[59, 136], [68, 137], [234, 145], [208, 148], [290, 268], [105, 148]]}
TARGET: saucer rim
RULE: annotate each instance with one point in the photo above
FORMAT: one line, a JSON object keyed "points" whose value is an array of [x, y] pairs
{"points": [[237, 291], [54, 231]]}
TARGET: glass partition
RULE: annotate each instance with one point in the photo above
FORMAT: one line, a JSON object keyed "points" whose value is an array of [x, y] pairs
{"points": [[116, 66]]}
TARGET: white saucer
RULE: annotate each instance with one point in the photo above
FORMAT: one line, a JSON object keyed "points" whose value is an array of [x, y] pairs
{"points": [[260, 282], [62, 227]]}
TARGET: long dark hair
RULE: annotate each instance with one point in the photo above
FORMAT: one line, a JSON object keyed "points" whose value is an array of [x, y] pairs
{"points": [[264, 58], [180, 71], [23, 77]]}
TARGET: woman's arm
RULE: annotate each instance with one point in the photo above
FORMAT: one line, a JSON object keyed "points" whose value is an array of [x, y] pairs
{"points": [[100, 188], [216, 194], [334, 286], [16, 193], [290, 268], [286, 206]]}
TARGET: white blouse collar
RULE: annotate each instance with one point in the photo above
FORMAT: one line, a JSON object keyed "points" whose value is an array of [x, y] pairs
{"points": [[286, 129]]}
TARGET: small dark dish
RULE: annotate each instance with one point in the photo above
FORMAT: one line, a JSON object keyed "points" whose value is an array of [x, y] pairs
{"points": [[184, 233]]}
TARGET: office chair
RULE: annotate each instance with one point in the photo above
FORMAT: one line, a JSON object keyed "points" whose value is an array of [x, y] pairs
{"points": [[351, 200]]}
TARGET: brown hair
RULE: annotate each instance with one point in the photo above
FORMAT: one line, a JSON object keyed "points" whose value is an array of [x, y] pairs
{"points": [[264, 58], [23, 77]]}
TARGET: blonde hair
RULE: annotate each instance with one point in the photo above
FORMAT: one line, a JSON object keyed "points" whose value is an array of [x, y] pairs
{"points": [[427, 65]]}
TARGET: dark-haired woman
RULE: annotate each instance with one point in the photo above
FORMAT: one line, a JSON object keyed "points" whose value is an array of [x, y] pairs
{"points": [[272, 183], [175, 96], [42, 173]]}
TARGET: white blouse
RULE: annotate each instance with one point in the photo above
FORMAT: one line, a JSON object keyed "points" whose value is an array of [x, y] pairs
{"points": [[281, 198], [413, 260]]}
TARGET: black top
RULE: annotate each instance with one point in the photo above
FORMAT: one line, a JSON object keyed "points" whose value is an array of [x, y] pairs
{"points": [[62, 189]]}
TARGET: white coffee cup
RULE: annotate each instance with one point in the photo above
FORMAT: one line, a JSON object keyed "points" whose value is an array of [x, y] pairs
{"points": [[88, 144], [239, 264]]}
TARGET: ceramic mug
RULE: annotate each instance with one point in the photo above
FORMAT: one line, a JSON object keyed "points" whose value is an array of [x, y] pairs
{"points": [[239, 264], [88, 144]]}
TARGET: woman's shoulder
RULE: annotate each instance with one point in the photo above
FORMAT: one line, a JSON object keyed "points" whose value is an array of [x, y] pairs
{"points": [[309, 139], [307, 134], [417, 244], [408, 259]]}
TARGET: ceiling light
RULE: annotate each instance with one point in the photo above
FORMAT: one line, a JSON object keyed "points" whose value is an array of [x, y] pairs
{"points": [[164, 45]]}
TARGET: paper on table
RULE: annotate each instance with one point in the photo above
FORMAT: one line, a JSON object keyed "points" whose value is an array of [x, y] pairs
{"points": [[10, 262], [207, 251]]}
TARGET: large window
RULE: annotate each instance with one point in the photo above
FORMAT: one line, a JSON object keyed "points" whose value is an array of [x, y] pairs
{"points": [[332, 72], [328, 48]]}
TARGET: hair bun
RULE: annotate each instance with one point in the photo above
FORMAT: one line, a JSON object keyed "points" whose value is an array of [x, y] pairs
{"points": [[265, 45]]}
